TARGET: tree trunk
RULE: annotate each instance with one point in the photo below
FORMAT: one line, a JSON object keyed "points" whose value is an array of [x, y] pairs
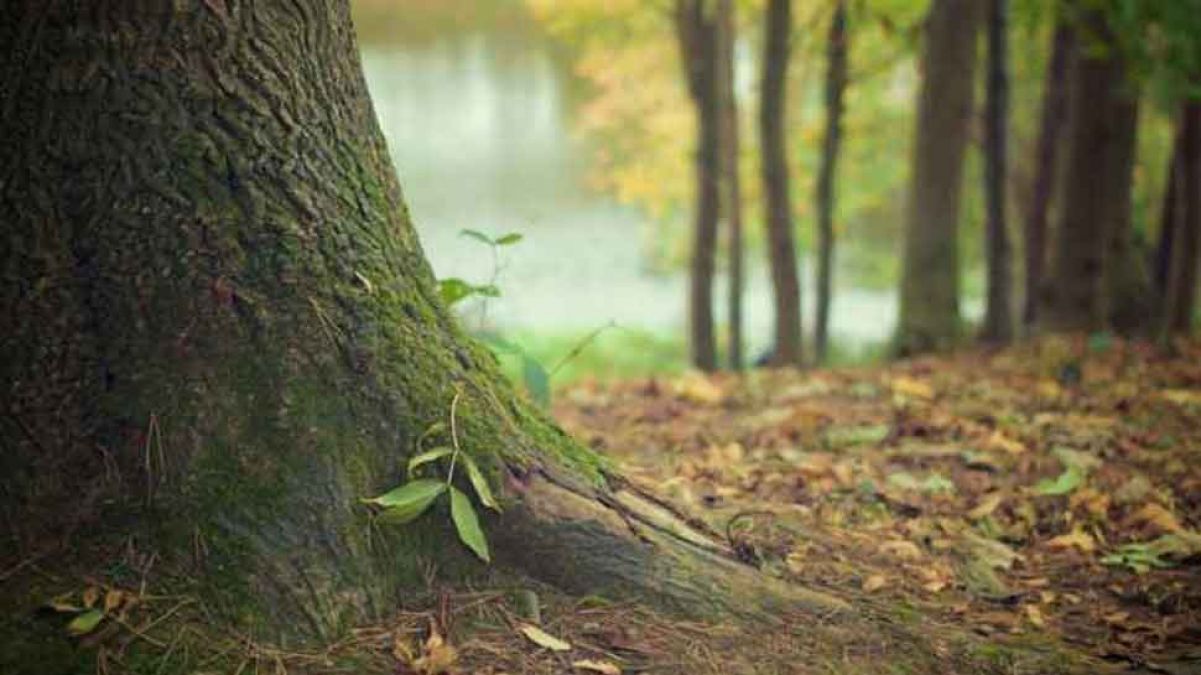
{"points": [[1186, 240], [836, 84], [221, 333], [781, 244], [998, 316], [1046, 162], [1099, 132], [1127, 283], [930, 276], [696, 31], [1162, 263], [731, 183]]}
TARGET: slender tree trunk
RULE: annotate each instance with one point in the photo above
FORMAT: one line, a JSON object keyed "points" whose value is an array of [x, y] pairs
{"points": [[930, 275], [1055, 90], [1182, 277], [781, 244], [1162, 263], [836, 84], [998, 316], [731, 183], [1127, 283], [221, 333], [1094, 196], [696, 31]]}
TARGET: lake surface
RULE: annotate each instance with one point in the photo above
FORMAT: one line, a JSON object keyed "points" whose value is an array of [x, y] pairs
{"points": [[478, 117]]}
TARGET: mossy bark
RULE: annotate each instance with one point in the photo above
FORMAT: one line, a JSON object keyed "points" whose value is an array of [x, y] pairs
{"points": [[221, 331]]}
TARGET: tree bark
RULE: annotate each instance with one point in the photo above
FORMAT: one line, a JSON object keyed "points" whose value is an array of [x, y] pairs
{"points": [[731, 182], [998, 317], [930, 275], [221, 333], [836, 84], [696, 33], [1127, 282], [1046, 163], [781, 244], [1186, 240], [1162, 263], [1094, 199]]}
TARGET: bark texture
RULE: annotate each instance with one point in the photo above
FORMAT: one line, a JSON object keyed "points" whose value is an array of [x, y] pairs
{"points": [[221, 332], [1094, 199], [731, 194], [998, 314], [781, 241], [696, 31], [836, 84], [1055, 90], [930, 273], [1181, 286]]}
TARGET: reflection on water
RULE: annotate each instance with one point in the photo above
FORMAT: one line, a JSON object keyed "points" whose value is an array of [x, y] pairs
{"points": [[476, 116]]}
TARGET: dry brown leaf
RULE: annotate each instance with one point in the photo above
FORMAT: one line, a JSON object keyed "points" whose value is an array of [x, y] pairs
{"points": [[1035, 616], [999, 441], [698, 388], [1183, 397], [603, 667], [1078, 539], [437, 655], [1094, 502], [112, 600], [985, 507], [543, 639], [90, 595], [874, 583]]}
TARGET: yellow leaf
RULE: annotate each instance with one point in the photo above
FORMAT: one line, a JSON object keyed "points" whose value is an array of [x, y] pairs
{"points": [[907, 386], [1157, 516], [437, 655], [1078, 539], [1000, 441], [698, 388], [543, 639], [603, 667], [90, 596], [112, 600], [905, 550], [985, 507], [1035, 617], [1182, 396], [874, 583]]}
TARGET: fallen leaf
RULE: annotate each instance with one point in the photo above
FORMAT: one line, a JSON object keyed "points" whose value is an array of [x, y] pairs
{"points": [[907, 386], [1163, 520], [905, 550], [986, 507], [1078, 539], [1035, 616], [437, 655], [999, 441], [874, 583], [603, 667], [112, 600], [86, 622], [90, 596], [698, 388], [1182, 397], [543, 639]]}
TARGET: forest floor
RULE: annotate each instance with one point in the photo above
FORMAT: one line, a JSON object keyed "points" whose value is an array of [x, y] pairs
{"points": [[1048, 494]]}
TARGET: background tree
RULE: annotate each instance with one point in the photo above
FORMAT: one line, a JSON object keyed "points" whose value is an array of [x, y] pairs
{"points": [[696, 29], [731, 193], [836, 84], [929, 316], [1094, 202], [781, 242], [1182, 223], [1054, 108], [221, 334], [998, 314]]}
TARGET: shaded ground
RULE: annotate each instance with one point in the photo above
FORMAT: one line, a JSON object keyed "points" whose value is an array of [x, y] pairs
{"points": [[1010, 512], [1053, 489]]}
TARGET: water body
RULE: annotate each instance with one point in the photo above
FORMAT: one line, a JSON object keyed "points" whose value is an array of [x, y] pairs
{"points": [[477, 116]]}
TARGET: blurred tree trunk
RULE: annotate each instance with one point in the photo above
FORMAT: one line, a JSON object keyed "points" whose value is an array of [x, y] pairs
{"points": [[1094, 197], [1055, 98], [731, 197], [998, 316], [696, 30], [930, 276], [1127, 283], [1181, 287], [220, 333], [836, 84], [781, 244], [1162, 262]]}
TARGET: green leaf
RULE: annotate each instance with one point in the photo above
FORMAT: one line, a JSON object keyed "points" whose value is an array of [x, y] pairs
{"points": [[479, 482], [1067, 482], [487, 290], [416, 494], [453, 290], [509, 239], [86, 622], [467, 524], [427, 457], [478, 236], [536, 380]]}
